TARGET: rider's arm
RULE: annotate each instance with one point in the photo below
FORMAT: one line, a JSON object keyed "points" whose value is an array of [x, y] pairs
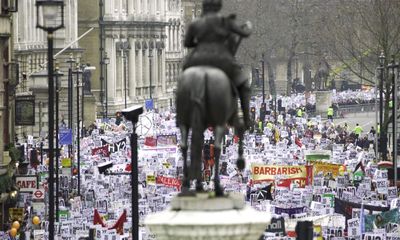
{"points": [[234, 27], [190, 37]]}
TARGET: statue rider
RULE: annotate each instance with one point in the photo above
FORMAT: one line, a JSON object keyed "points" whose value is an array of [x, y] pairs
{"points": [[215, 40]]}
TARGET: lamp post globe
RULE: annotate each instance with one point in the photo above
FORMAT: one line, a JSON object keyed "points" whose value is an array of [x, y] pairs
{"points": [[50, 18]]}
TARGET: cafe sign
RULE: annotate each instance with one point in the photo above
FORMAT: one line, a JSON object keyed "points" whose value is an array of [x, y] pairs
{"points": [[28, 183]]}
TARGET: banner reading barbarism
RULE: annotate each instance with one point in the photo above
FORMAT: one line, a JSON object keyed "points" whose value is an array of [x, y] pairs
{"points": [[289, 174]]}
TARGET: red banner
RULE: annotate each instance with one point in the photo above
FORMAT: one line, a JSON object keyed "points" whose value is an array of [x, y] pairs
{"points": [[150, 142], [169, 182], [101, 151]]}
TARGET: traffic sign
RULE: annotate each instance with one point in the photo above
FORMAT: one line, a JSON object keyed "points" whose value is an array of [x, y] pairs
{"points": [[38, 194], [65, 136], [149, 104]]}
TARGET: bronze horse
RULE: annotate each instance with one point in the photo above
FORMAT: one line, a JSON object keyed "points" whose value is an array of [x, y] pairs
{"points": [[205, 98]]}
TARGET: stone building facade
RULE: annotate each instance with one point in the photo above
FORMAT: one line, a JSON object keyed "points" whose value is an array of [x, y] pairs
{"points": [[30, 52], [142, 40]]}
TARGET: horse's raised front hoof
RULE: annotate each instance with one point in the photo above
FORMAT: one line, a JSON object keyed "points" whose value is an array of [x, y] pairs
{"points": [[240, 163]]}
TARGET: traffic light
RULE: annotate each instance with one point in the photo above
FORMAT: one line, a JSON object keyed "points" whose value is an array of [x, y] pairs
{"points": [[263, 111], [253, 113]]}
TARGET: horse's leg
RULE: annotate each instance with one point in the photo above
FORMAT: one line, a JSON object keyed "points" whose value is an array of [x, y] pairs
{"points": [[219, 134], [240, 163], [196, 148], [184, 147]]}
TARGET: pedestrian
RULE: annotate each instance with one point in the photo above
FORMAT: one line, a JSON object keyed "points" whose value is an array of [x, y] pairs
{"points": [[330, 113], [358, 130]]}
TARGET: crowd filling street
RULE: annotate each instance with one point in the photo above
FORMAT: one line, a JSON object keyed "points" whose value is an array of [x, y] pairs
{"points": [[299, 166]]}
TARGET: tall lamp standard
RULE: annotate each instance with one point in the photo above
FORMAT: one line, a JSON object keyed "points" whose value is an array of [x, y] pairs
{"points": [[392, 66], [48, 18], [71, 62], [106, 61], [132, 114], [382, 134], [263, 77], [58, 83], [78, 129]]}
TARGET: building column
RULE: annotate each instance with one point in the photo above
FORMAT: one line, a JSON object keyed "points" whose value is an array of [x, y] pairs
{"points": [[145, 7], [112, 68], [162, 71], [138, 7], [169, 37], [132, 70], [145, 68], [152, 7], [108, 10], [131, 7], [139, 68]]}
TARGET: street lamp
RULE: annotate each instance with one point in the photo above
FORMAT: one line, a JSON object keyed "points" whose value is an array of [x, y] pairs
{"points": [[392, 66], [71, 62], [263, 78], [382, 134], [48, 18], [132, 114], [58, 84], [106, 61], [78, 129]]}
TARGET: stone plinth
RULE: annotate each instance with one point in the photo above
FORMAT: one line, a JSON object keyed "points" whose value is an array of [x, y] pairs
{"points": [[323, 100], [208, 218]]}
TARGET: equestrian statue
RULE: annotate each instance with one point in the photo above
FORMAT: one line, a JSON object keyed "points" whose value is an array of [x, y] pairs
{"points": [[208, 90]]}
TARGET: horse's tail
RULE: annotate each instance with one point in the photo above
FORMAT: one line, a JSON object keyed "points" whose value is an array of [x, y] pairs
{"points": [[197, 124]]}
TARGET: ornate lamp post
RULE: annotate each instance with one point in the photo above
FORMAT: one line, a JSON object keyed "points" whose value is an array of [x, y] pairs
{"points": [[392, 66], [78, 128], [71, 62], [48, 14], [106, 61], [263, 77], [58, 84], [382, 135], [132, 114]]}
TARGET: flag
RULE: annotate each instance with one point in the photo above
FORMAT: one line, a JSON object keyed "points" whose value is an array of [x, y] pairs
{"points": [[128, 167], [119, 224], [97, 219], [345, 207], [297, 141], [359, 165]]}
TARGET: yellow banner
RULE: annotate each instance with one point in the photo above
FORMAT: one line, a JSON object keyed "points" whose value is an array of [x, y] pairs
{"points": [[326, 168], [268, 172], [16, 214], [151, 179], [66, 162]]}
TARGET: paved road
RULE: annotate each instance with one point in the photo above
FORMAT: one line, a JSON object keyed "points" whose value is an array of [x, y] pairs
{"points": [[365, 119]]}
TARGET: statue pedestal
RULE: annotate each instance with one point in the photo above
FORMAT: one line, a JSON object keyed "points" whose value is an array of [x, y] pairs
{"points": [[323, 100], [90, 109], [208, 218]]}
